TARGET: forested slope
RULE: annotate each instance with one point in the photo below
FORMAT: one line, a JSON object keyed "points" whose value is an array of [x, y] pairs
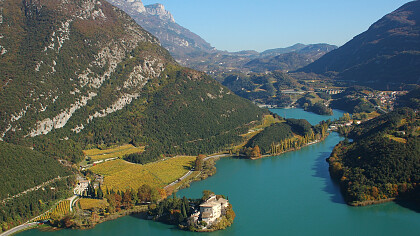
{"points": [[382, 162], [21, 170]]}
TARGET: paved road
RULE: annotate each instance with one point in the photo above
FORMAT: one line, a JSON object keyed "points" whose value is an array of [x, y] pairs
{"points": [[190, 172], [72, 201], [18, 228], [215, 156]]}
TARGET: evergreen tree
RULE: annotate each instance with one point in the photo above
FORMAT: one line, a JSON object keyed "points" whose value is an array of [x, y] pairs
{"points": [[100, 194], [183, 211]]}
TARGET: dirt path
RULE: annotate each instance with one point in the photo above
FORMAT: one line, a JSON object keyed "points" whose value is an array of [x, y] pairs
{"points": [[34, 188]]}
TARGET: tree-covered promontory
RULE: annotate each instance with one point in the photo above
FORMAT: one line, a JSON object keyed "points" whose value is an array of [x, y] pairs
{"points": [[287, 135], [382, 162]]}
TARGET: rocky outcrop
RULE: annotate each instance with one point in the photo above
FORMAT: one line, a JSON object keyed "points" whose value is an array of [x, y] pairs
{"points": [[159, 11], [180, 42], [81, 72], [61, 78]]}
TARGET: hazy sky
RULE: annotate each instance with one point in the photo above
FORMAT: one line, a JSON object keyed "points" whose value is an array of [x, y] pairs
{"points": [[236, 25]]}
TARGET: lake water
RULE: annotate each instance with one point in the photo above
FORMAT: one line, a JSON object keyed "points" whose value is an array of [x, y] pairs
{"points": [[290, 194]]}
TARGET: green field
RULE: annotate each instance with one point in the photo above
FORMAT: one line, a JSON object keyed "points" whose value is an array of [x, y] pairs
{"points": [[122, 175], [97, 154]]}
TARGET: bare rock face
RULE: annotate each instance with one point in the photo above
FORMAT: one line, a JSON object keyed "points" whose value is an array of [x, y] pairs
{"points": [[179, 41], [159, 10], [83, 71], [135, 6], [76, 48]]}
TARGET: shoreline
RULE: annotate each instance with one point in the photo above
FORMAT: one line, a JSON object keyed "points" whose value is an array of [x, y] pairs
{"points": [[371, 202], [290, 150]]}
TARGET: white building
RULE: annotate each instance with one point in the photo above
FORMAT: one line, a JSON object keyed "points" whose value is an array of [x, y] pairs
{"points": [[212, 209]]}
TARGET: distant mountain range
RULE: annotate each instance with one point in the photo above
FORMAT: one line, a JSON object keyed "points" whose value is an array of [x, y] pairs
{"points": [[288, 59], [387, 55], [191, 50]]}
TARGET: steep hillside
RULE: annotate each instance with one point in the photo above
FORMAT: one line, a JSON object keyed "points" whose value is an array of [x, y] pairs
{"points": [[181, 43], [25, 168], [382, 162], [84, 73], [22, 170], [387, 54]]}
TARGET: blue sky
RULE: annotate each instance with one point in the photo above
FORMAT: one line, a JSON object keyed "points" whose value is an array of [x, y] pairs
{"points": [[236, 25]]}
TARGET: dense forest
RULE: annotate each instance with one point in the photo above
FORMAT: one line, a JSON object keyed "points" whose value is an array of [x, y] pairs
{"points": [[123, 87], [284, 136], [314, 102], [353, 100], [207, 118], [382, 162], [23, 169], [18, 210], [411, 99]]}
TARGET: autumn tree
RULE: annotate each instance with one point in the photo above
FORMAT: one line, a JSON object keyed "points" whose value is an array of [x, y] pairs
{"points": [[126, 201], [206, 194], [199, 162], [144, 193], [155, 195]]}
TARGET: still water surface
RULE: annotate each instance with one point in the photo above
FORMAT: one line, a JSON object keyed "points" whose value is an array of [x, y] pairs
{"points": [[290, 194]]}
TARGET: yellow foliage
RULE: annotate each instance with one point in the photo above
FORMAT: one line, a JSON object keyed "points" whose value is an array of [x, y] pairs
{"points": [[61, 209], [392, 137], [88, 203], [122, 175], [97, 154]]}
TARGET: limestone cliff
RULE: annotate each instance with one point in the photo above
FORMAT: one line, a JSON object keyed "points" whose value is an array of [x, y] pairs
{"points": [[84, 71]]}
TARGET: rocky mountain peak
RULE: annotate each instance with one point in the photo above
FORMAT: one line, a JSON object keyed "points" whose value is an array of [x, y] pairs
{"points": [[159, 10], [135, 6]]}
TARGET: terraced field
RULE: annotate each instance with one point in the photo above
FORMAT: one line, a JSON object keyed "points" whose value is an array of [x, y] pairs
{"points": [[61, 209], [122, 175], [97, 154]]}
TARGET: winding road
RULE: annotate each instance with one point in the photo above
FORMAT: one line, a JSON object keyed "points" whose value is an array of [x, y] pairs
{"points": [[18, 228], [190, 172]]}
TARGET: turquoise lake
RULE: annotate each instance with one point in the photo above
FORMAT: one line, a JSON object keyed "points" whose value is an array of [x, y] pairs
{"points": [[290, 194]]}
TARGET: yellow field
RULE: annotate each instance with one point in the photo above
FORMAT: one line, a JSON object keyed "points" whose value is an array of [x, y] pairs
{"points": [[373, 114], [88, 203], [392, 137], [97, 154], [268, 120], [122, 175], [61, 209]]}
